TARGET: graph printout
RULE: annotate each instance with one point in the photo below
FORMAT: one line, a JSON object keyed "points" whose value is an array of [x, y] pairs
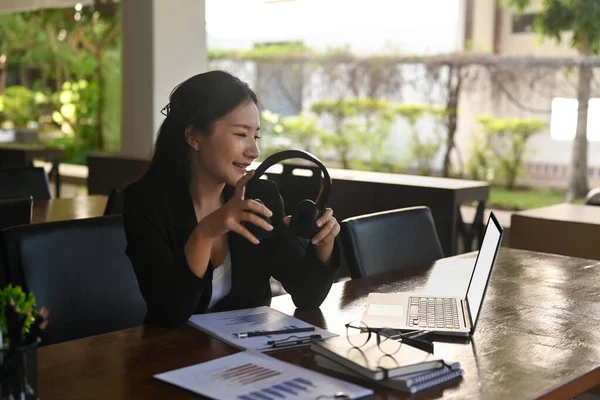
{"points": [[254, 376], [225, 325]]}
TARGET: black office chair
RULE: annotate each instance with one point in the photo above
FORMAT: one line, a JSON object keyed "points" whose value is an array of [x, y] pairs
{"points": [[78, 270], [15, 211], [3, 277], [26, 181], [593, 197], [114, 204], [390, 241]]}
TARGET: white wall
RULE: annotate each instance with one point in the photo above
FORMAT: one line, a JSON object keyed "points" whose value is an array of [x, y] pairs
{"points": [[482, 38], [162, 46]]}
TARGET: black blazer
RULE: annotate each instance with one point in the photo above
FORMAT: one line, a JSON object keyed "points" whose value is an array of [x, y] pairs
{"points": [[159, 217]]}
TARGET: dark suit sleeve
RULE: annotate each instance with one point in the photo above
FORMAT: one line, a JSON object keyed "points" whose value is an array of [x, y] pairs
{"points": [[295, 264], [171, 290]]}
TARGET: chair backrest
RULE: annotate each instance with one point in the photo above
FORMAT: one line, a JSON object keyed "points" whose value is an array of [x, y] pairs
{"points": [[390, 241], [3, 277], [15, 211], [26, 181], [13, 157], [78, 270], [593, 197], [114, 204]]}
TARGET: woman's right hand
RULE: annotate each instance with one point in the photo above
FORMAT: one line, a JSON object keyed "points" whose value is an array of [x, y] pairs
{"points": [[230, 216]]}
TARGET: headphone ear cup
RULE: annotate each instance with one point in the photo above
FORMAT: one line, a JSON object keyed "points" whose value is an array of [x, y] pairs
{"points": [[304, 219], [267, 193]]}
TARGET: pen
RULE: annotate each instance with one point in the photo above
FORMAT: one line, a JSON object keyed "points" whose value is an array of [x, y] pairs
{"points": [[242, 335], [287, 343]]}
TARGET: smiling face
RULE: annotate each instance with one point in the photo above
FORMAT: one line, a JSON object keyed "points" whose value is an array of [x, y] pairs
{"points": [[226, 153]]}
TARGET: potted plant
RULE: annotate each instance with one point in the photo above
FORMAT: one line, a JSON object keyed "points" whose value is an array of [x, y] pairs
{"points": [[20, 327]]}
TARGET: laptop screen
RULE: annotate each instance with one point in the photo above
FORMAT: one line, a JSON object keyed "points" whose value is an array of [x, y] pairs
{"points": [[483, 266]]}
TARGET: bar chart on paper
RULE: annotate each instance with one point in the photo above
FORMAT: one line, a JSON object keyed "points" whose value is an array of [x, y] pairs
{"points": [[251, 374], [255, 376], [254, 322]]}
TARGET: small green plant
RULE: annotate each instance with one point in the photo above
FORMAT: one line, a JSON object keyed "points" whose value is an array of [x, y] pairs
{"points": [[24, 303], [361, 126], [480, 165], [507, 140], [423, 150], [74, 111], [19, 106]]}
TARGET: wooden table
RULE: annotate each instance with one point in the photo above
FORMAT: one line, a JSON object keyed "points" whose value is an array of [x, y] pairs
{"points": [[567, 229], [363, 192], [538, 336], [68, 208], [22, 155]]}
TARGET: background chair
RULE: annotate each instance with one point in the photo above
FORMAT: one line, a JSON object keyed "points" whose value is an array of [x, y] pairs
{"points": [[79, 271], [15, 211], [26, 181], [114, 204], [390, 241]]}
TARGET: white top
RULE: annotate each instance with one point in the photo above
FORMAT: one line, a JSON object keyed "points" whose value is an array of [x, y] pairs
{"points": [[221, 281]]}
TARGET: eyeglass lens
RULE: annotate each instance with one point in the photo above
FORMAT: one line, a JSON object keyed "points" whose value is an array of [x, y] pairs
{"points": [[358, 334]]}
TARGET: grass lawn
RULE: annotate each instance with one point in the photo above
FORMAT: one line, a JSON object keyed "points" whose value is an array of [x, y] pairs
{"points": [[522, 199]]}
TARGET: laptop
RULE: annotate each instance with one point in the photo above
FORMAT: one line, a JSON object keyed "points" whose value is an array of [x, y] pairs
{"points": [[440, 314]]}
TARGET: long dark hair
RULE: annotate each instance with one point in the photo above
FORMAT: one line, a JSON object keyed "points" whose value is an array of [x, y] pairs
{"points": [[199, 101]]}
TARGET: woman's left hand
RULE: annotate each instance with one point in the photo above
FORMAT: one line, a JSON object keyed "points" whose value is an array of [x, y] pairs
{"points": [[329, 228], [324, 240]]}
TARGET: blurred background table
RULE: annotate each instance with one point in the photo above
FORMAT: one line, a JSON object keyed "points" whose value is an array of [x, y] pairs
{"points": [[68, 208]]}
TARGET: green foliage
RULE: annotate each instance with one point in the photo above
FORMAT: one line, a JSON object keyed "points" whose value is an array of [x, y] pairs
{"points": [[271, 134], [422, 151], [261, 52], [480, 165], [15, 33], [350, 107], [19, 106], [24, 303], [507, 140], [301, 131], [69, 45], [74, 110], [360, 126], [412, 112], [112, 93], [557, 17], [525, 198]]}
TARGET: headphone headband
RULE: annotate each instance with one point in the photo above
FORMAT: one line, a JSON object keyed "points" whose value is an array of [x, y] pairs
{"points": [[288, 154]]}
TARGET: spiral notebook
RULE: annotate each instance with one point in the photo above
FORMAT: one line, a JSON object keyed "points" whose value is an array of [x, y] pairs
{"points": [[411, 383]]}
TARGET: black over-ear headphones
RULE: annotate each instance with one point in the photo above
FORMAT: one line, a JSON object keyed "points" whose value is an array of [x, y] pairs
{"points": [[306, 212]]}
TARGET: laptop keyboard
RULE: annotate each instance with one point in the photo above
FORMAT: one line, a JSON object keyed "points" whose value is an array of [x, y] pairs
{"points": [[433, 312]]}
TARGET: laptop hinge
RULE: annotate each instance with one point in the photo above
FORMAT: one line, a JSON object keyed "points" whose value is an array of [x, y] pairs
{"points": [[465, 311]]}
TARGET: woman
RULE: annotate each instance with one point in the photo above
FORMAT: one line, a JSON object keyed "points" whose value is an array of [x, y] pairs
{"points": [[184, 218]]}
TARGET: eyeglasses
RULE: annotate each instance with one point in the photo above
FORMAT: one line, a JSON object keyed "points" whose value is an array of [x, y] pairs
{"points": [[389, 340]]}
